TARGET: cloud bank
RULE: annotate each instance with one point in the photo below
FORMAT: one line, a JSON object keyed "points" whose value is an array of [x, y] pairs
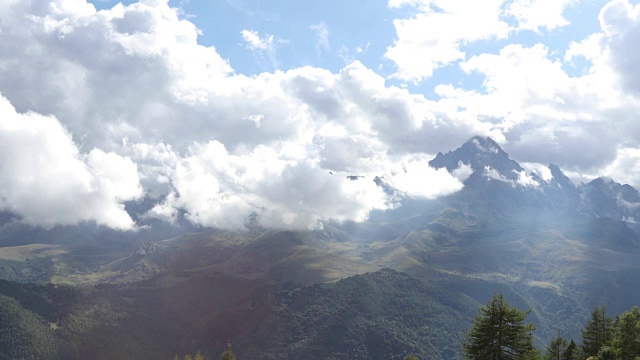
{"points": [[139, 107], [46, 181], [103, 107]]}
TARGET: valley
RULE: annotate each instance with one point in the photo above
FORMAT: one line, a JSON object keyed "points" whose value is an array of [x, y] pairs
{"points": [[409, 280]]}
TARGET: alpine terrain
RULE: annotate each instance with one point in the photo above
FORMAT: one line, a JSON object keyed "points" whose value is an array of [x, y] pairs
{"points": [[407, 281]]}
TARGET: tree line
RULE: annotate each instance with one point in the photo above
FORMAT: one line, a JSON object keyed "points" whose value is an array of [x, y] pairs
{"points": [[499, 332]]}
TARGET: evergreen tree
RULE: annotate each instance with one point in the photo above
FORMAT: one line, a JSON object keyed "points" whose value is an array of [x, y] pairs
{"points": [[606, 353], [598, 332], [627, 340], [499, 333], [572, 352], [227, 354], [556, 348]]}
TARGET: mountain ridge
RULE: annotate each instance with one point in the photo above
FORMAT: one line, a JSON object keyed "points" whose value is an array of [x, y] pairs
{"points": [[556, 248], [495, 174]]}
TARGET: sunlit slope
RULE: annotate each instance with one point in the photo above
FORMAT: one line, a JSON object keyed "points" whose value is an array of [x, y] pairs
{"points": [[559, 270]]}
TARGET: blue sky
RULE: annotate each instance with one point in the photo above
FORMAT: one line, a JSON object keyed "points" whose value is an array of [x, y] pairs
{"points": [[355, 31], [350, 25], [221, 109]]}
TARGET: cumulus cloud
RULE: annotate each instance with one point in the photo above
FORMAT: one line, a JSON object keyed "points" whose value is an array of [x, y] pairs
{"points": [[434, 36], [544, 114], [220, 189], [136, 91], [131, 88], [417, 180], [440, 31], [538, 14], [620, 22], [626, 167], [46, 181]]}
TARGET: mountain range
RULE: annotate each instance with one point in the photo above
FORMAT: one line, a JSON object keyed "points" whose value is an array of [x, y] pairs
{"points": [[409, 280]]}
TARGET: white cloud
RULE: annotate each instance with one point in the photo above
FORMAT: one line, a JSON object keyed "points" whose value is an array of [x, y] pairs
{"points": [[589, 48], [109, 74], [463, 172], [523, 179], [620, 22], [255, 42], [441, 30], [538, 14], [518, 75], [434, 37], [322, 34], [416, 179], [263, 47], [131, 88], [545, 115], [494, 174], [541, 170], [46, 181], [132, 80], [526, 180], [625, 168], [220, 189]]}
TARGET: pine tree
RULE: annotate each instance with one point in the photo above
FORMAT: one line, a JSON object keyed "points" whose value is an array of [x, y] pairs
{"points": [[606, 353], [598, 332], [227, 354], [627, 340], [572, 352], [499, 333], [556, 348]]}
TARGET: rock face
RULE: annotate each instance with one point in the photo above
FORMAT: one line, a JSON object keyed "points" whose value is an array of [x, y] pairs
{"points": [[480, 153], [502, 184], [604, 197]]}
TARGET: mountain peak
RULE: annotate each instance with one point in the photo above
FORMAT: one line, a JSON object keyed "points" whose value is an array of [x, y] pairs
{"points": [[608, 198], [559, 177], [479, 152], [555, 169], [485, 144]]}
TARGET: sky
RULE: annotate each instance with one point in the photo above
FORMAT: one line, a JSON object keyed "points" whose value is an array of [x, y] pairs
{"points": [[222, 109]]}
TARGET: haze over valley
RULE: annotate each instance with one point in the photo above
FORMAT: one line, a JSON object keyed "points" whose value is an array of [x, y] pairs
{"points": [[334, 181]]}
